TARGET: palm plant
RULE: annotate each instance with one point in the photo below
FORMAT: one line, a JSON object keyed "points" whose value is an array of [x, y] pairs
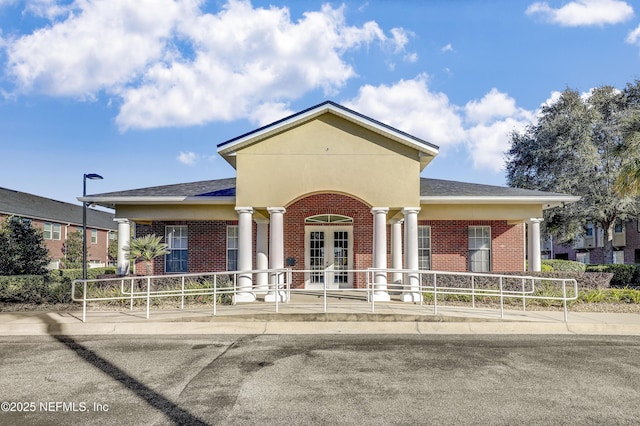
{"points": [[146, 248]]}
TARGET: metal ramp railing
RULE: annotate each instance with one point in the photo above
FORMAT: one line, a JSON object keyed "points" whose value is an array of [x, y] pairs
{"points": [[223, 288]]}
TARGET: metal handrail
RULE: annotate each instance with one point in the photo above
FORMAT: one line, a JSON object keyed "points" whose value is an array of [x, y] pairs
{"points": [[282, 279]]}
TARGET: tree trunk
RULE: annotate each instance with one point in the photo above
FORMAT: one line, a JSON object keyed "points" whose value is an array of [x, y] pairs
{"points": [[608, 243]]}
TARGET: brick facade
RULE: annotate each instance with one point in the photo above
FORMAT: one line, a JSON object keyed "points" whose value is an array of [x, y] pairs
{"points": [[97, 253], [207, 239], [631, 248], [450, 245]]}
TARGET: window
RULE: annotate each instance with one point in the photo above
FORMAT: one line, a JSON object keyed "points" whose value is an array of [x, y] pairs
{"points": [[51, 231], [112, 235], [176, 238], [94, 236], [618, 256], [618, 227], [479, 248], [583, 257], [232, 248], [329, 218], [424, 248]]}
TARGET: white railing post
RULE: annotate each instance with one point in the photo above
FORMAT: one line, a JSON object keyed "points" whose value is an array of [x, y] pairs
{"points": [[501, 298], [148, 295], [215, 294], [131, 301], [473, 291], [84, 301], [435, 295], [564, 299], [182, 298]]}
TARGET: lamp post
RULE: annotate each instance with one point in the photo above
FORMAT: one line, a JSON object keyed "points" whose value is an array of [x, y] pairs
{"points": [[91, 176]]}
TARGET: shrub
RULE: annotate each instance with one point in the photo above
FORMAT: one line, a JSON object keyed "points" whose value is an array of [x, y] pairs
{"points": [[560, 265], [623, 275], [23, 289]]}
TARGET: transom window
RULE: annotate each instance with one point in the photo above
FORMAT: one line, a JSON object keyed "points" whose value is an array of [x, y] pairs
{"points": [[177, 241], [328, 218]]}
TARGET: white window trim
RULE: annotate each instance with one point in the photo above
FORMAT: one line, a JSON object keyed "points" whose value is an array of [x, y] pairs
{"points": [[168, 241], [231, 249], [422, 249], [489, 249]]}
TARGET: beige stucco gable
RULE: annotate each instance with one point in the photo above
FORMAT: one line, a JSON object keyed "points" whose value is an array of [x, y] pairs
{"points": [[328, 154]]}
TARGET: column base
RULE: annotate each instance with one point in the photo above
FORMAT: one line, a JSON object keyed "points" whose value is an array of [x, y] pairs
{"points": [[271, 296], [411, 297], [244, 297], [381, 297]]}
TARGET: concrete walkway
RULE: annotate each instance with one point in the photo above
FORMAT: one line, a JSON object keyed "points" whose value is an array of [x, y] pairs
{"points": [[305, 314]]}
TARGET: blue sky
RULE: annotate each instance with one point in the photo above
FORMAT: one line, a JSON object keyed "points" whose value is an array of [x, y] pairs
{"points": [[141, 92]]}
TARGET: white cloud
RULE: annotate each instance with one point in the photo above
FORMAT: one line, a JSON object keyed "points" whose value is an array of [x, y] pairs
{"points": [[408, 105], [633, 36], [411, 57], [96, 46], [491, 121], [170, 64], [482, 126], [187, 158], [583, 12], [447, 48]]}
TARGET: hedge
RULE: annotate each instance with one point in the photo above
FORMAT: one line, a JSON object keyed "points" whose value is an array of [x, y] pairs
{"points": [[624, 275], [559, 265], [54, 287]]}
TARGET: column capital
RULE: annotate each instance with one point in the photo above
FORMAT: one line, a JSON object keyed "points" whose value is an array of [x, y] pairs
{"points": [[396, 220], [535, 220], [261, 220], [272, 210], [244, 210], [379, 210], [409, 210], [121, 220]]}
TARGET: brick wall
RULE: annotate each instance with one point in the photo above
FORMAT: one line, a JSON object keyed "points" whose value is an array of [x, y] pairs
{"points": [[97, 252], [207, 239], [450, 245], [329, 204]]}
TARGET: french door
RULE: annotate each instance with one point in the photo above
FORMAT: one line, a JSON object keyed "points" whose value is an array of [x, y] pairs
{"points": [[328, 256]]}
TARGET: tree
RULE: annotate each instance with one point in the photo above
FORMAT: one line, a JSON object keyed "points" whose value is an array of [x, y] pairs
{"points": [[72, 250], [23, 250], [576, 147], [146, 248], [628, 182]]}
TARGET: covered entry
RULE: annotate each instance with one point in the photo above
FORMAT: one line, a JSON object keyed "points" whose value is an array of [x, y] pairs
{"points": [[329, 251]]}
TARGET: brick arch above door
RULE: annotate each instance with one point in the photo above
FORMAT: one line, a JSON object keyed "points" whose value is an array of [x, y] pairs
{"points": [[329, 203]]}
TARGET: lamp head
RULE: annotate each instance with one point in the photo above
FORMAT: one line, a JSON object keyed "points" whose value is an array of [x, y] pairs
{"points": [[92, 176]]}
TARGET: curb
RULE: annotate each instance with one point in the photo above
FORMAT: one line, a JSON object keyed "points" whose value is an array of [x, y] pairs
{"points": [[310, 327]]}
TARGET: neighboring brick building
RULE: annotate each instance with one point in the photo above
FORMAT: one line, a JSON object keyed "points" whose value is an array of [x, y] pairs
{"points": [[590, 247], [58, 220], [328, 191]]}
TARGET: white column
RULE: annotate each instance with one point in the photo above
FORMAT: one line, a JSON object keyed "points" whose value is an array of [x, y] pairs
{"points": [[396, 253], [262, 255], [380, 293], [276, 253], [534, 244], [411, 285], [124, 237], [245, 255]]}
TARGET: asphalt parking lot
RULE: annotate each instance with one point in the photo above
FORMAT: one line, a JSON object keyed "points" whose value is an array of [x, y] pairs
{"points": [[320, 379]]}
